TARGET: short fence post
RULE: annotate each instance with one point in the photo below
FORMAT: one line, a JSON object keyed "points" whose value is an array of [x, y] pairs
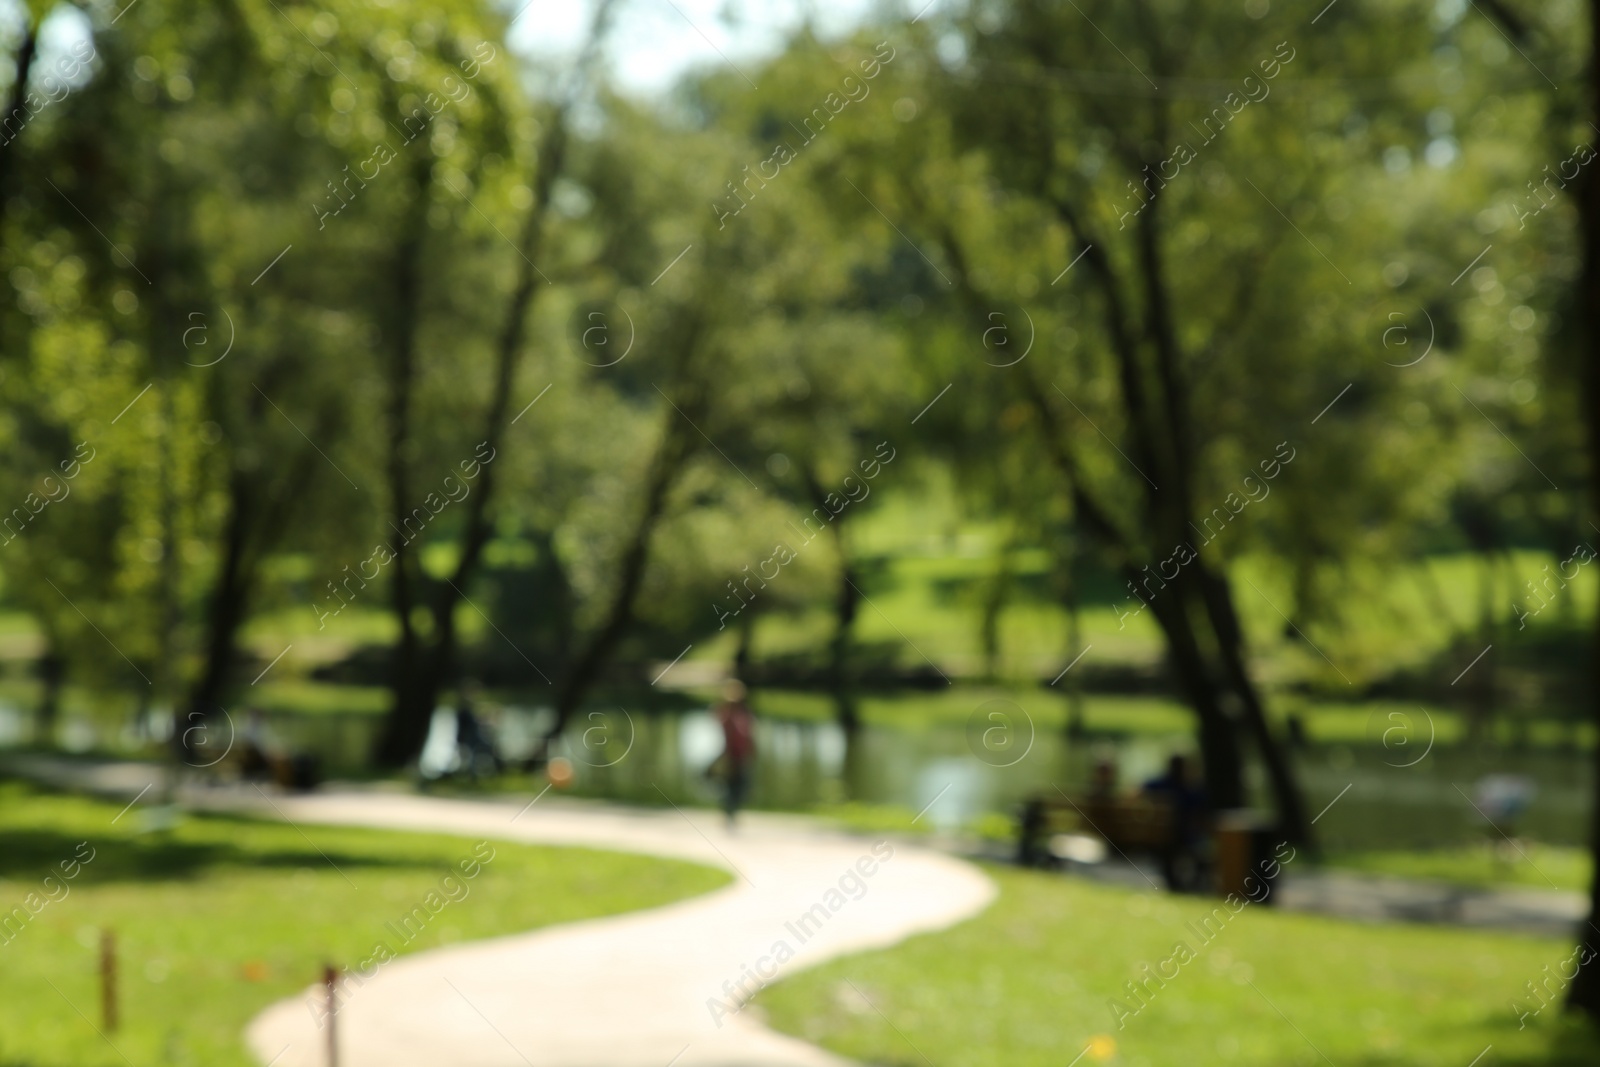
{"points": [[330, 981], [108, 980]]}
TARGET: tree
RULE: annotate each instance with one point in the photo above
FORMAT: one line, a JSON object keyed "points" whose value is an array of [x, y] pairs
{"points": [[1572, 57], [1073, 197], [421, 668]]}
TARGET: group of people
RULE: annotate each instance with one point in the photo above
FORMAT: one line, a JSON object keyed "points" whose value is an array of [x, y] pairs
{"points": [[1169, 815]]}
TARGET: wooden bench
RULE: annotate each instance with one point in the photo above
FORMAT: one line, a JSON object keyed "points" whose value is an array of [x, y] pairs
{"points": [[1126, 823], [1245, 850]]}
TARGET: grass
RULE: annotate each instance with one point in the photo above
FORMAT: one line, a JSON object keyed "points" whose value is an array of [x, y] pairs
{"points": [[322, 698], [218, 917], [1031, 981], [859, 817], [954, 706], [1536, 866], [1106, 714]]}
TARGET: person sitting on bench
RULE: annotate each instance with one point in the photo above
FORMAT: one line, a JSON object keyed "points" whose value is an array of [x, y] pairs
{"points": [[1182, 857]]}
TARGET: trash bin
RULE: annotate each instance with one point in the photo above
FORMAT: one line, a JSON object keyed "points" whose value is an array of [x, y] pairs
{"points": [[1245, 841]]}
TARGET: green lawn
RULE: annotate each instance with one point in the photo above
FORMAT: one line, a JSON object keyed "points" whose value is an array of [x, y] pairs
{"points": [[218, 917], [953, 706], [1326, 723], [1029, 982], [1537, 866], [305, 697]]}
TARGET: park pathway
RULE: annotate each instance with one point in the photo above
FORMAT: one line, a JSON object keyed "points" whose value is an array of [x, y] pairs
{"points": [[634, 990]]}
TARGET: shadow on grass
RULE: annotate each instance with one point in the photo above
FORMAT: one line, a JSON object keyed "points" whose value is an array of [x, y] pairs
{"points": [[1570, 1043], [1567, 1042], [28, 855]]}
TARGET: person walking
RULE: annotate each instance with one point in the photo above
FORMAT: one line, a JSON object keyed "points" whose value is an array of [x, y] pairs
{"points": [[738, 746]]}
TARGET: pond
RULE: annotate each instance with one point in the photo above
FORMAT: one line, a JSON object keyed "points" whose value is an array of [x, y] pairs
{"points": [[957, 772], [951, 773]]}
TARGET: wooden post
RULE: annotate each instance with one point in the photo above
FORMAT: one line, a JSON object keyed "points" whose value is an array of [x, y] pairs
{"points": [[108, 980], [330, 981]]}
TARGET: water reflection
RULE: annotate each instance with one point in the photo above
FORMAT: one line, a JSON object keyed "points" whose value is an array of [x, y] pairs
{"points": [[628, 755]]}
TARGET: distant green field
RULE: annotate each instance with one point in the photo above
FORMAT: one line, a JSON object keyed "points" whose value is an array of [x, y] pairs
{"points": [[928, 606], [1387, 622], [1152, 716], [953, 705], [929, 569]]}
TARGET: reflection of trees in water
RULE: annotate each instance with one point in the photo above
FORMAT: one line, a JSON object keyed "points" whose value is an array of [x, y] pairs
{"points": [[853, 771]]}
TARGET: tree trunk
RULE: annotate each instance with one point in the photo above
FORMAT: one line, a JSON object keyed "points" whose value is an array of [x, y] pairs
{"points": [[406, 727], [52, 672], [994, 606], [741, 653], [1075, 726], [846, 604], [841, 665], [1584, 993], [226, 612], [841, 673], [1210, 590], [1230, 643], [1217, 731], [257, 518], [22, 62]]}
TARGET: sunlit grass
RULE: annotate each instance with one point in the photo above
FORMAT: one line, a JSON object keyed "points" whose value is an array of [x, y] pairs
{"points": [[1032, 981], [1528, 863], [218, 917]]}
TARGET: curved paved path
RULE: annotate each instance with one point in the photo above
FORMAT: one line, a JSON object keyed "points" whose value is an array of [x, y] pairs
{"points": [[634, 990]]}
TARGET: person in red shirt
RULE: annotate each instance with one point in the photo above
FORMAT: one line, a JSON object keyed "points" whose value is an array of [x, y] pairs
{"points": [[739, 746]]}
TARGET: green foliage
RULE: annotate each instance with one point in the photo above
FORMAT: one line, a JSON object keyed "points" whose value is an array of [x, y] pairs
{"points": [[795, 272]]}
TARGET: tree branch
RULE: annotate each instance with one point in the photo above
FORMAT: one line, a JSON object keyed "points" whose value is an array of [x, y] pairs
{"points": [[1508, 20]]}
